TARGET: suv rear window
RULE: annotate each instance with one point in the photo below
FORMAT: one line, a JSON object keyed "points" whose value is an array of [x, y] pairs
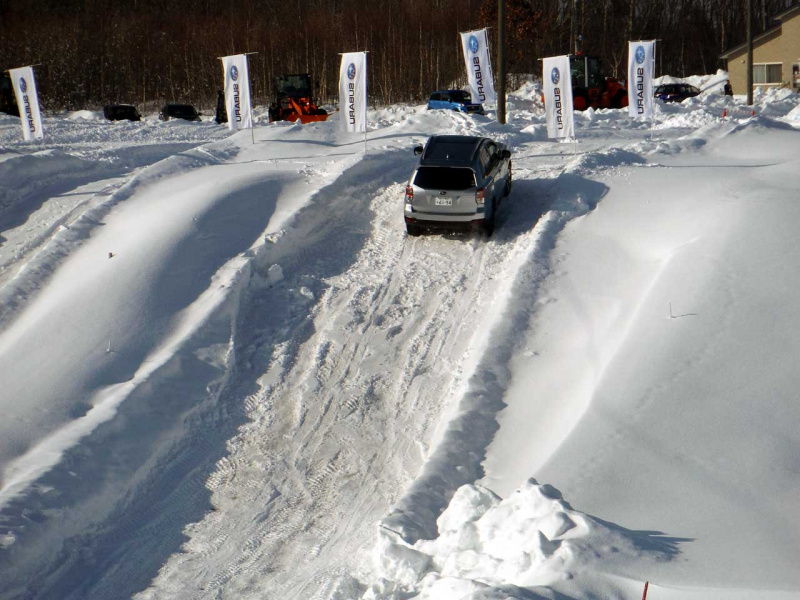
{"points": [[444, 178], [452, 149]]}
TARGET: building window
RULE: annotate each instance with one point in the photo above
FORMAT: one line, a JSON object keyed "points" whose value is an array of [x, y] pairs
{"points": [[769, 73]]}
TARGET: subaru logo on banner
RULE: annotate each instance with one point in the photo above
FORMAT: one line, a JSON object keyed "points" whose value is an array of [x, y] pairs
{"points": [[28, 102], [558, 98], [237, 92], [475, 45], [353, 91], [641, 57]]}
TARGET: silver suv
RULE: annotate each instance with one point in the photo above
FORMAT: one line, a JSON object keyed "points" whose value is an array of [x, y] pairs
{"points": [[459, 181]]}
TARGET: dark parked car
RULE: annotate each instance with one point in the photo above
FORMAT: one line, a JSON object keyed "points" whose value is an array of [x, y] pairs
{"points": [[121, 112], [179, 111], [459, 180], [457, 100], [676, 92]]}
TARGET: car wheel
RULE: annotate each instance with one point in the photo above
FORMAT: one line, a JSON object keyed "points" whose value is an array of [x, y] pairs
{"points": [[413, 230], [488, 222]]}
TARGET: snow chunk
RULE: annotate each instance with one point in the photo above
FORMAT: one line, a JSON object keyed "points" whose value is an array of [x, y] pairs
{"points": [[274, 274], [488, 546]]}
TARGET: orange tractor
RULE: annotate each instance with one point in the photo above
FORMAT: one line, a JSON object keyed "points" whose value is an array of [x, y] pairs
{"points": [[293, 100], [590, 88]]}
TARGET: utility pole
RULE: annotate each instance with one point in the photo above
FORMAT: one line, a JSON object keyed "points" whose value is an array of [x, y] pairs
{"points": [[750, 52], [501, 61]]}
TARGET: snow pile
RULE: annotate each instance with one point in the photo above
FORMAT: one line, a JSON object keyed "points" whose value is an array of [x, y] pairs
{"points": [[487, 544], [530, 90], [595, 161], [84, 115], [775, 102], [705, 83]]}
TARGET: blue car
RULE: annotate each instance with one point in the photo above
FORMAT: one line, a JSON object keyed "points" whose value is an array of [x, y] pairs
{"points": [[457, 100]]}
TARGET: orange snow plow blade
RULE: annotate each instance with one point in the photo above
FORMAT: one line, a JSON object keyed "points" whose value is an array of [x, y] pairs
{"points": [[308, 118]]}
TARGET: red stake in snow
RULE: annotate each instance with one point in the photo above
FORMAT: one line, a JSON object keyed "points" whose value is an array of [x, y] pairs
{"points": [[644, 596], [724, 112]]}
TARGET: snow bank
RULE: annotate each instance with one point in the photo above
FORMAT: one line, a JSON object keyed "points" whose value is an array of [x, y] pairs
{"points": [[86, 115], [705, 83], [488, 545]]}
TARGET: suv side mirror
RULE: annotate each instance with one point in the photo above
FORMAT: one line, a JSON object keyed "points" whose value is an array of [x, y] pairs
{"points": [[417, 150], [506, 154]]}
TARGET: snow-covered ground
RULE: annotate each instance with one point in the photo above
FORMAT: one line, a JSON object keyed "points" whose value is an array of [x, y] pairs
{"points": [[226, 372]]}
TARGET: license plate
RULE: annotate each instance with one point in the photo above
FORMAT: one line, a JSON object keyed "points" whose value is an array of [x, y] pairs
{"points": [[444, 202]]}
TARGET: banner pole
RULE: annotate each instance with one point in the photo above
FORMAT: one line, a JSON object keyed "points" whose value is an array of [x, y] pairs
{"points": [[366, 105], [653, 115], [31, 66]]}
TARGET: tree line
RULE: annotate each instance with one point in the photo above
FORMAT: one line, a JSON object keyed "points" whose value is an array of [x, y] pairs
{"points": [[148, 52]]}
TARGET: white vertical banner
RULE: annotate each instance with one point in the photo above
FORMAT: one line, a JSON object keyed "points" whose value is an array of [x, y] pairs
{"points": [[28, 102], [558, 110], [641, 59], [353, 91], [237, 92], [479, 66]]}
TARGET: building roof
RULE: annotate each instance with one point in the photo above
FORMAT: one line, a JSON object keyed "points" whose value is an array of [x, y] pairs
{"points": [[787, 14]]}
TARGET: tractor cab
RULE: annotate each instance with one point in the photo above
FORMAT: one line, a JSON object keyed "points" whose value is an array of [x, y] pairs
{"points": [[587, 71], [293, 100], [293, 86], [590, 86]]}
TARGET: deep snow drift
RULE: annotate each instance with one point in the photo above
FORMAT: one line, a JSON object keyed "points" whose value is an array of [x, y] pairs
{"points": [[227, 372]]}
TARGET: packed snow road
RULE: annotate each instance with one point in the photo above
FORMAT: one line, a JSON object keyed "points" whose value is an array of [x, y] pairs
{"points": [[231, 374]]}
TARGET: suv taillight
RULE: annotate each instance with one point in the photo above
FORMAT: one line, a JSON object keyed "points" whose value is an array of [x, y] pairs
{"points": [[479, 196], [409, 194]]}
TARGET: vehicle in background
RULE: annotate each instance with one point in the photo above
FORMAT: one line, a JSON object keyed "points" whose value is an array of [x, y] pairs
{"points": [[221, 113], [459, 181], [675, 92], [121, 112], [178, 111], [457, 100], [8, 102], [293, 100], [591, 88]]}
